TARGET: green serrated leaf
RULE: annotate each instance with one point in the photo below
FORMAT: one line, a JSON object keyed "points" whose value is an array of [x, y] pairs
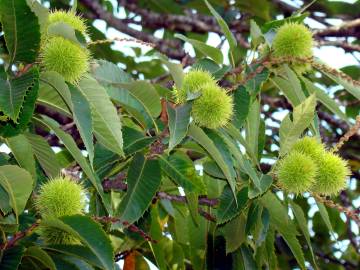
{"points": [[40, 255], [106, 121], [327, 101], [353, 89], [241, 106], [301, 220], [13, 92], [228, 208], [44, 154], [135, 141], [21, 30], [175, 69], [79, 251], [91, 235], [290, 130], [205, 49], [200, 136], [280, 220], [224, 27], [179, 119], [177, 168], [143, 180], [82, 117], [234, 233], [252, 128], [63, 30], [49, 97], [23, 152], [18, 184]]}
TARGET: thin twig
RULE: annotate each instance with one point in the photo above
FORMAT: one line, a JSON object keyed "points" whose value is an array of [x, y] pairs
{"points": [[349, 213], [351, 132], [18, 236], [131, 227]]}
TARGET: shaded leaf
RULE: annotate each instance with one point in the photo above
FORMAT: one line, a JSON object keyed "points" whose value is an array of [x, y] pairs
{"points": [[11, 258], [135, 141], [234, 233]]}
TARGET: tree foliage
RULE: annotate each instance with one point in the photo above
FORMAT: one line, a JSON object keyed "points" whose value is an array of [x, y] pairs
{"points": [[161, 147]]}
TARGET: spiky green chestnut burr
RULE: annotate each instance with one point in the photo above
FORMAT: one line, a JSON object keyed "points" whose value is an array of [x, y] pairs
{"points": [[55, 236], [296, 172], [310, 147], [214, 108], [294, 40], [332, 174], [66, 58], [59, 197], [192, 82], [70, 18]]}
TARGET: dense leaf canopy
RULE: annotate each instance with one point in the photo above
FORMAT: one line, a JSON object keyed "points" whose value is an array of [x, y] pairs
{"points": [[203, 134]]}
